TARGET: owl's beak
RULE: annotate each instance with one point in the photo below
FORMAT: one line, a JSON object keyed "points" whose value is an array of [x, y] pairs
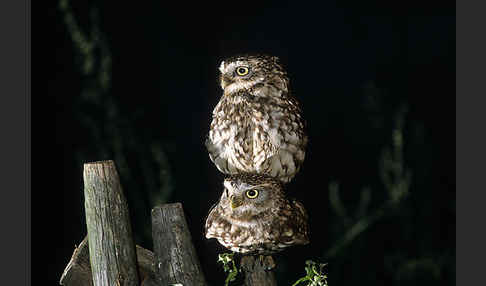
{"points": [[222, 81], [235, 202], [225, 80]]}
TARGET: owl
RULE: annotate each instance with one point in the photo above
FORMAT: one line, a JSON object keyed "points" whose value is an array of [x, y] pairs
{"points": [[257, 126], [254, 216]]}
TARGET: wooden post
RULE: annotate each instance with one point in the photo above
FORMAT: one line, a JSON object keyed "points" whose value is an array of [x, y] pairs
{"points": [[111, 247], [176, 262], [258, 270]]}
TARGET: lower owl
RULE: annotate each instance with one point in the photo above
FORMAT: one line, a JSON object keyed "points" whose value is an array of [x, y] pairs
{"points": [[254, 216]]}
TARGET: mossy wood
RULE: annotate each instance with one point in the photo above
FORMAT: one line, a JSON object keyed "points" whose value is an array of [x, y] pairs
{"points": [[176, 261], [111, 247]]}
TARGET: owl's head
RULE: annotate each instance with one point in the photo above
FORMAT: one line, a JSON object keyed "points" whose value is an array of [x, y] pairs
{"points": [[246, 196], [246, 71]]}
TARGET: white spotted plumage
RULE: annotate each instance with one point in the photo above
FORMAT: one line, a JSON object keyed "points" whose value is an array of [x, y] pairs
{"points": [[257, 125]]}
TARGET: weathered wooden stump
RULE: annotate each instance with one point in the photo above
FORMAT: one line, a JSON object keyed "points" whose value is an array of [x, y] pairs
{"points": [[258, 270], [111, 247], [176, 261], [78, 270]]}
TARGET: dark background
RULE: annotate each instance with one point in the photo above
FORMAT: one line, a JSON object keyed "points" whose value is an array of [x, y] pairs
{"points": [[144, 93]]}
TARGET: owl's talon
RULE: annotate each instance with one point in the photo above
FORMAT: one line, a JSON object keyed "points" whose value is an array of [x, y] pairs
{"points": [[246, 262], [268, 263]]}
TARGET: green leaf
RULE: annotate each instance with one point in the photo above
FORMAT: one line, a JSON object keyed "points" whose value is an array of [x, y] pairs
{"points": [[228, 266], [314, 274]]}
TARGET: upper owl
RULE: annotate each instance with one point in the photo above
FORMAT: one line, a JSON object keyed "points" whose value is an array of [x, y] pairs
{"points": [[257, 125]]}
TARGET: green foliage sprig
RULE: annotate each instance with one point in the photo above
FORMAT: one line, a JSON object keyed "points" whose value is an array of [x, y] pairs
{"points": [[314, 274], [228, 266]]}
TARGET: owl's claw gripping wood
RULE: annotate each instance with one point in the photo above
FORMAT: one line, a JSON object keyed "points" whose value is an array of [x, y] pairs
{"points": [[249, 262], [255, 273], [268, 262], [260, 258]]}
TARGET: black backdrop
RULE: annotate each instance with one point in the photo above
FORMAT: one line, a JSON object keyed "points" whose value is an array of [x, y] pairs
{"points": [[352, 65]]}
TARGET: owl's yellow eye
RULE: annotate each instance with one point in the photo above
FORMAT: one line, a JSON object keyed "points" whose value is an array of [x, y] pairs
{"points": [[242, 71], [252, 194]]}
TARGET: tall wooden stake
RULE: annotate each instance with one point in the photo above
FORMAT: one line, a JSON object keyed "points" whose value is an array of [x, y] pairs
{"points": [[111, 247]]}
